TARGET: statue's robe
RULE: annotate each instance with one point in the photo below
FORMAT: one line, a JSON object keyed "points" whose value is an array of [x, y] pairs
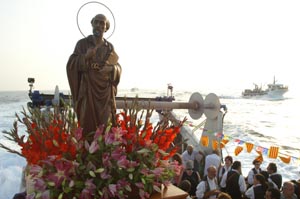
{"points": [[93, 91]]}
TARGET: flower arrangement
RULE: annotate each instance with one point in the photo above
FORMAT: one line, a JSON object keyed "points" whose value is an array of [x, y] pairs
{"points": [[112, 162]]}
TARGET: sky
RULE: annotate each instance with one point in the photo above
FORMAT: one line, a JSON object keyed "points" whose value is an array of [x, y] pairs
{"points": [[194, 45]]}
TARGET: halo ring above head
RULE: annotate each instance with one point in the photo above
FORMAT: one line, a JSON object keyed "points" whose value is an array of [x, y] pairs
{"points": [[84, 17]]}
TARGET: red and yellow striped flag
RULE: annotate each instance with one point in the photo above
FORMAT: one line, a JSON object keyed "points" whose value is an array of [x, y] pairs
{"points": [[249, 146], [273, 152], [237, 150], [204, 141]]}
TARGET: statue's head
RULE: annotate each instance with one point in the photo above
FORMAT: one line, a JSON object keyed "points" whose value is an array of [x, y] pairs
{"points": [[100, 24]]}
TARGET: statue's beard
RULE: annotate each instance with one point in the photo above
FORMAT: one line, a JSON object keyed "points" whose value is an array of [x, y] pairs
{"points": [[96, 33]]}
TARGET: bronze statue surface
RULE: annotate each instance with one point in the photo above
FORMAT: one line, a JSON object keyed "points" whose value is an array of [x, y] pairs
{"points": [[94, 74]]}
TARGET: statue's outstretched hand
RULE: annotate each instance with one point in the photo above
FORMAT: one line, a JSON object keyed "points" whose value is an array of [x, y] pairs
{"points": [[90, 53]]}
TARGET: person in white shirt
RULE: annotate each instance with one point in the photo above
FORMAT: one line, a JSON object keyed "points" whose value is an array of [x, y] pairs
{"points": [[208, 187], [225, 168], [255, 170], [234, 181], [189, 154], [212, 159], [259, 188], [274, 177]]}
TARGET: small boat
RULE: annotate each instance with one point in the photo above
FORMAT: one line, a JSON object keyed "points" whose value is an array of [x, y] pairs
{"points": [[274, 90], [134, 89]]}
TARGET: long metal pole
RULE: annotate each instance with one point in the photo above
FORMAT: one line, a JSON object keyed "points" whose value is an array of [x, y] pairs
{"points": [[157, 105]]}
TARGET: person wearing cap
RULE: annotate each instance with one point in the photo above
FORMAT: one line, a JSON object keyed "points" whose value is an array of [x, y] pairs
{"points": [[93, 73], [255, 170], [192, 176]]}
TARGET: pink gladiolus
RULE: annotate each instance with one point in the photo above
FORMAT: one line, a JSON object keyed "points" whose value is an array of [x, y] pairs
{"points": [[123, 162], [98, 132], [40, 184], [93, 147], [113, 189], [139, 185], [78, 133], [115, 136], [46, 194], [106, 160], [119, 133], [87, 192], [105, 175], [35, 169], [56, 178], [132, 164], [109, 138], [117, 153], [86, 145], [89, 184], [158, 171]]}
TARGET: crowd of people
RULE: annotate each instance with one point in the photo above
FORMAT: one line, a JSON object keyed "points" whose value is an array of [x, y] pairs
{"points": [[208, 177]]}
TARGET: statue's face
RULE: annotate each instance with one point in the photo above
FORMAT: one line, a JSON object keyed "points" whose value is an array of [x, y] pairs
{"points": [[99, 25]]}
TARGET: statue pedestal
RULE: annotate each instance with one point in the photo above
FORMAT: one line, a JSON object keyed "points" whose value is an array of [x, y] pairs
{"points": [[170, 192]]}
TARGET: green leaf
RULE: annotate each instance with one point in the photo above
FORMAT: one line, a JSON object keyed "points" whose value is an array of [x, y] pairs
{"points": [[156, 188], [52, 184], [60, 196], [144, 150], [150, 176], [144, 134], [55, 143], [38, 195], [74, 140], [131, 169], [163, 152], [143, 181], [130, 176], [100, 170], [128, 188], [154, 147], [92, 174]]}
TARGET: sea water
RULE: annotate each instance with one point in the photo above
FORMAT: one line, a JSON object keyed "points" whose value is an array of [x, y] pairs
{"points": [[263, 122]]}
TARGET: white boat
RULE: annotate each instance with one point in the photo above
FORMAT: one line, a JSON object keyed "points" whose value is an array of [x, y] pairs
{"points": [[274, 90]]}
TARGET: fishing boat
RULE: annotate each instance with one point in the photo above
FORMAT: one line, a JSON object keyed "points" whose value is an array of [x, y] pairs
{"points": [[274, 90]]}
